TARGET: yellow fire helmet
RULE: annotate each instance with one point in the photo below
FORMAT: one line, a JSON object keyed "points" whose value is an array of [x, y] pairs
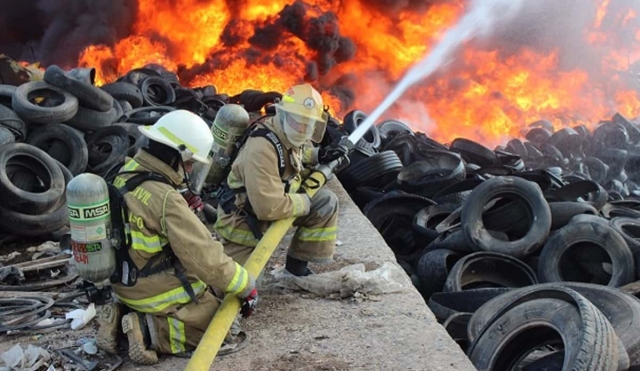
{"points": [[302, 114]]}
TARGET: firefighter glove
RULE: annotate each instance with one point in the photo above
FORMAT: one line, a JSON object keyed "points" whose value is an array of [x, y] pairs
{"points": [[194, 201], [336, 149], [249, 303]]}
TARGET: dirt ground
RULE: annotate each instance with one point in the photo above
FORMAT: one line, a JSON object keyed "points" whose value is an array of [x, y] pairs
{"points": [[298, 331]]}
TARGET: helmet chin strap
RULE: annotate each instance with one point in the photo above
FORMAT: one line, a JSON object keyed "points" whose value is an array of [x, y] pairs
{"points": [[184, 151]]}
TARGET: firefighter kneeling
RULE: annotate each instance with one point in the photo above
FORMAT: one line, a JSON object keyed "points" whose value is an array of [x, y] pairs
{"points": [[258, 189], [170, 305]]}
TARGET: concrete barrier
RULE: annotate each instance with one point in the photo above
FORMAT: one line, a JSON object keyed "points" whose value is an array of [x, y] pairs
{"points": [[294, 331]]}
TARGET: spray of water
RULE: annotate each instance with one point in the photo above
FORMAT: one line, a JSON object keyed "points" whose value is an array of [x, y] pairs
{"points": [[482, 18]]}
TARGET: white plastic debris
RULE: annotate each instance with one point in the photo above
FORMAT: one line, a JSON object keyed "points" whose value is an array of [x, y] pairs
{"points": [[31, 359], [349, 281], [9, 257], [45, 322], [90, 347], [81, 316]]}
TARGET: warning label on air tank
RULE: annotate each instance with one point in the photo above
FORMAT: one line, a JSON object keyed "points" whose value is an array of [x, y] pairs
{"points": [[89, 232]]}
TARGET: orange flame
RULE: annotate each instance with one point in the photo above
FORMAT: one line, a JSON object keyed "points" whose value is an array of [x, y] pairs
{"points": [[491, 98]]}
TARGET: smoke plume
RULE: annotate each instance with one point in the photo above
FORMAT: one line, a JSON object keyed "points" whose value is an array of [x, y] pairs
{"points": [[56, 31]]}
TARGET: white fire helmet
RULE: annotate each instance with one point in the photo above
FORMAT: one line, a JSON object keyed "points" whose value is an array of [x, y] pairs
{"points": [[187, 133]]}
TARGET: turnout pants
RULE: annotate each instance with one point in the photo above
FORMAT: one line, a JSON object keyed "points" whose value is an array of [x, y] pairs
{"points": [[181, 330], [315, 237]]}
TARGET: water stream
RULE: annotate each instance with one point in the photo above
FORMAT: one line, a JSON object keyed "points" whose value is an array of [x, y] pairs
{"points": [[482, 18]]}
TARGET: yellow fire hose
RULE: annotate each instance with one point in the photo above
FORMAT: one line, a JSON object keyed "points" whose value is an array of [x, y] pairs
{"points": [[217, 330]]}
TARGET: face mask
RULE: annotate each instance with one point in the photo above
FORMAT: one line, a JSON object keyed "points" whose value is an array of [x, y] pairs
{"points": [[298, 129]]}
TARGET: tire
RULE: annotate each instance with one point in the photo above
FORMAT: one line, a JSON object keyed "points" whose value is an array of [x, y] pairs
{"points": [[426, 219], [621, 310], [596, 195], [457, 193], [136, 139], [17, 199], [116, 140], [533, 152], [156, 91], [126, 106], [32, 112], [456, 326], [523, 325], [11, 121], [474, 152], [125, 91], [527, 192], [136, 75], [567, 141], [27, 225], [90, 120], [354, 119], [377, 170], [6, 94], [392, 216], [538, 136], [391, 128], [433, 268], [88, 95], [77, 155], [446, 304], [451, 240], [435, 171], [598, 170], [488, 269], [511, 218], [516, 146], [629, 229], [563, 212], [555, 267], [6, 136], [146, 115]]}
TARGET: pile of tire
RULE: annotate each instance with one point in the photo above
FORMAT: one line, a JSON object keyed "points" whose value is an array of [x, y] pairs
{"points": [[519, 251], [64, 125]]}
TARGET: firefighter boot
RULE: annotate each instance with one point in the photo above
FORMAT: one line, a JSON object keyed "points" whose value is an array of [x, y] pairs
{"points": [[135, 327], [109, 321], [297, 267]]}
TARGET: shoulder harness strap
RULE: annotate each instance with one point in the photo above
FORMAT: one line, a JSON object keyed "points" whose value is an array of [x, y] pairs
{"points": [[277, 145]]}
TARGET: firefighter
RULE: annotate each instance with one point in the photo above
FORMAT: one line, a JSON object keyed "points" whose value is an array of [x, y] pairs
{"points": [[257, 190], [170, 306]]}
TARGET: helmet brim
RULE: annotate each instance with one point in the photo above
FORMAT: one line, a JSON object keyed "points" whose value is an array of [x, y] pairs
{"points": [[149, 133]]}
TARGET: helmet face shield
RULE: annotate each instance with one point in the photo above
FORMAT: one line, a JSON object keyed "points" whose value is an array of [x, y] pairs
{"points": [[198, 175], [298, 128]]}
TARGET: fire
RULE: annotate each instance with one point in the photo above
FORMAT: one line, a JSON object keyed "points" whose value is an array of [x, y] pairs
{"points": [[488, 94]]}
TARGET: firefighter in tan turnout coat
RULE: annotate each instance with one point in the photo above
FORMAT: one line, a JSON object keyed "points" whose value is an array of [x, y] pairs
{"points": [[170, 306], [257, 190]]}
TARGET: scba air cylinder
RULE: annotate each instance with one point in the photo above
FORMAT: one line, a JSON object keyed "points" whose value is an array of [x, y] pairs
{"points": [[90, 223]]}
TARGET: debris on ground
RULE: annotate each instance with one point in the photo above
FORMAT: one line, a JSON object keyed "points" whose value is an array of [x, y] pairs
{"points": [[31, 359], [350, 281]]}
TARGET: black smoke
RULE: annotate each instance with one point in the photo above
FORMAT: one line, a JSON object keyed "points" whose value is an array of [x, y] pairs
{"points": [[318, 29], [56, 31], [394, 7]]}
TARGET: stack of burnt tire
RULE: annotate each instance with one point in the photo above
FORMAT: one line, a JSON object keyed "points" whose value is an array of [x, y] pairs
{"points": [[518, 254], [54, 129]]}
